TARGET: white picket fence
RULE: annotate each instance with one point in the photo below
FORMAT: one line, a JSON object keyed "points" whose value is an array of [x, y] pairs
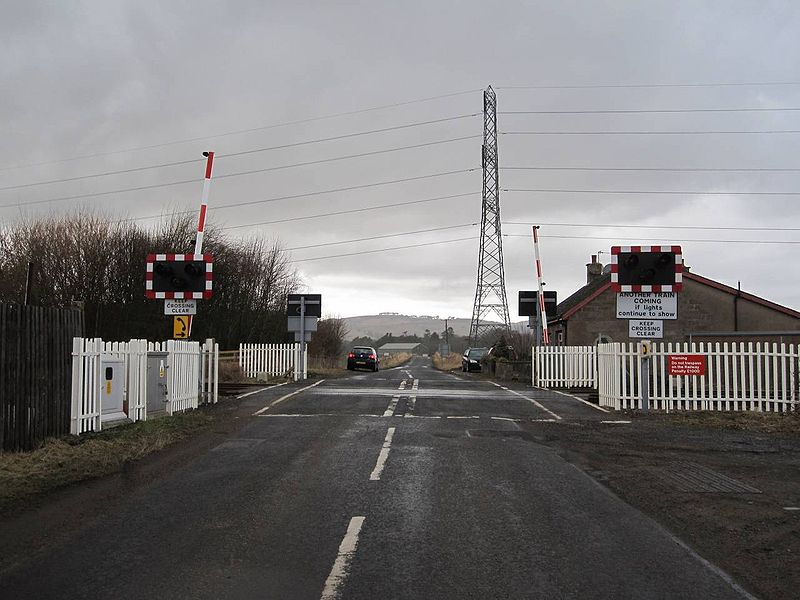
{"points": [[192, 377], [743, 376], [755, 376], [275, 360], [564, 366]]}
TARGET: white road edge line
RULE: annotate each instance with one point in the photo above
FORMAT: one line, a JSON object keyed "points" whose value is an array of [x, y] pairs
{"points": [[245, 395], [542, 406], [282, 398], [579, 399], [616, 422], [506, 419], [384, 454], [347, 549]]}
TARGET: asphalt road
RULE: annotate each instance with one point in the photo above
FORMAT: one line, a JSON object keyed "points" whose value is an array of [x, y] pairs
{"points": [[406, 483]]}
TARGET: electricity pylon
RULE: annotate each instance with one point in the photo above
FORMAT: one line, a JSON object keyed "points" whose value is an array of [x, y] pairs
{"points": [[491, 305]]}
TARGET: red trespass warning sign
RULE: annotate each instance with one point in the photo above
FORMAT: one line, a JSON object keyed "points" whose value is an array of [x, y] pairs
{"points": [[686, 364]]}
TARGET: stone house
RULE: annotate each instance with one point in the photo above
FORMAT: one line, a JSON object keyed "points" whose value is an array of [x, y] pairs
{"points": [[707, 310]]}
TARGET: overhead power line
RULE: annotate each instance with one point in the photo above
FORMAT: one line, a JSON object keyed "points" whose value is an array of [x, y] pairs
{"points": [[647, 85], [195, 180], [240, 131], [247, 152], [664, 169], [584, 237], [670, 192], [464, 239], [317, 193], [696, 132], [646, 111], [381, 237], [641, 226], [358, 210]]}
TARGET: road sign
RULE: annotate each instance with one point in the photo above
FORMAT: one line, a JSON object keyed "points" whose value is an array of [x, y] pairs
{"points": [[647, 305], [182, 327], [180, 307], [646, 269], [686, 364], [313, 304], [528, 299], [646, 329], [293, 324]]}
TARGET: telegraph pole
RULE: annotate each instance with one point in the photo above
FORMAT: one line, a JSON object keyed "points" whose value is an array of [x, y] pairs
{"points": [[490, 293]]}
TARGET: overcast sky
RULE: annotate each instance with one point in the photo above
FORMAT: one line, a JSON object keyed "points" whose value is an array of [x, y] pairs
{"points": [[96, 79]]}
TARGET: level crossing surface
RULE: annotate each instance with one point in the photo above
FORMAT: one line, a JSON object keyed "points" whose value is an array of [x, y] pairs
{"points": [[405, 483]]}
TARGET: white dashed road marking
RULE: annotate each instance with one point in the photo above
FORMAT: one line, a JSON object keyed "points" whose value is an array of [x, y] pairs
{"points": [[347, 549], [384, 454]]}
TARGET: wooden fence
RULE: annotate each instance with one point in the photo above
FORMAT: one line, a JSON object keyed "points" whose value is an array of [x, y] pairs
{"points": [[35, 373]]}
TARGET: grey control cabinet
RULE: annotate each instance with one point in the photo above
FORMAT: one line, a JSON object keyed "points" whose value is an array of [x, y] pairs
{"points": [[156, 382], [111, 386]]}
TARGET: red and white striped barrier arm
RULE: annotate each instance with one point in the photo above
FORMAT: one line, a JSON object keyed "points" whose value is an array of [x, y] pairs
{"points": [[545, 332], [201, 224]]}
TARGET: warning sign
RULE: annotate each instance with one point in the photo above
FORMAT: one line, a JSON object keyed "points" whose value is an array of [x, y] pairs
{"points": [[647, 305], [646, 330], [686, 364], [182, 327]]}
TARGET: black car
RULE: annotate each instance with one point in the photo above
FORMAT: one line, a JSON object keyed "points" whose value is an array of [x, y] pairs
{"points": [[471, 361], [363, 357]]}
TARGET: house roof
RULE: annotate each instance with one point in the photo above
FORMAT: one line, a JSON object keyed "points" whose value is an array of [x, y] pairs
{"points": [[396, 346], [590, 291]]}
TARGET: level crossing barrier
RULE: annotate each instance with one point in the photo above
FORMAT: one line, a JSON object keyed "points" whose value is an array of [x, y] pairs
{"points": [[564, 366]]}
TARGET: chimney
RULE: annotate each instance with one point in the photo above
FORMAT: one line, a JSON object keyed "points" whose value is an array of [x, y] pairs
{"points": [[593, 270]]}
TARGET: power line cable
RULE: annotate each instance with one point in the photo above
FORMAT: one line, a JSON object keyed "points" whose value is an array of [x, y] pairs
{"points": [[696, 132], [583, 237], [240, 131], [383, 250], [662, 169], [242, 153], [381, 237], [195, 180], [647, 85], [668, 192], [625, 111], [640, 226], [317, 193], [351, 211]]}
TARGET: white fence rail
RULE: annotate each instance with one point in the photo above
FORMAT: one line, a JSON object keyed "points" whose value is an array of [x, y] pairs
{"points": [[275, 360], [191, 374], [740, 376], [749, 376], [564, 366]]}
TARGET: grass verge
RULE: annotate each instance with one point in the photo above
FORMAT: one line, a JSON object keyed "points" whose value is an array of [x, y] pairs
{"points": [[67, 460], [449, 363], [739, 421]]}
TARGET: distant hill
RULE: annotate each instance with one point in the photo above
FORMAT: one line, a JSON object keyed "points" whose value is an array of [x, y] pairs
{"points": [[375, 326]]}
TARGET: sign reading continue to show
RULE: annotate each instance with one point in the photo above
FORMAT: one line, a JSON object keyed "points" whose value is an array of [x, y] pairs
{"points": [[646, 330], [647, 305], [686, 364]]}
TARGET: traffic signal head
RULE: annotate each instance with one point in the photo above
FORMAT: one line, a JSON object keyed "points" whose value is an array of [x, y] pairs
{"points": [[646, 268], [179, 276]]}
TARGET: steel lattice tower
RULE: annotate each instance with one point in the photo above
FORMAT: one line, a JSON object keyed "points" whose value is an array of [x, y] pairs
{"points": [[490, 294]]}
